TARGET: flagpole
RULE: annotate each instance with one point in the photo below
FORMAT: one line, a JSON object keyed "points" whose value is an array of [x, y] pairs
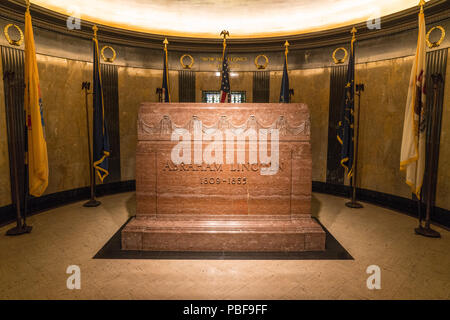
{"points": [[359, 88], [19, 228], [285, 91], [92, 201], [26, 160], [286, 51], [86, 86], [419, 199], [26, 181], [166, 68], [354, 203], [224, 33], [427, 231]]}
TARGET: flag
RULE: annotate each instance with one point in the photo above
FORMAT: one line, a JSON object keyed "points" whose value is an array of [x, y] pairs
{"points": [[345, 133], [412, 154], [100, 135], [225, 95], [284, 93], [165, 83], [37, 145]]}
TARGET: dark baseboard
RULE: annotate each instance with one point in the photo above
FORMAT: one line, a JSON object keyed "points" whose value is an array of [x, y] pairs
{"points": [[54, 200], [7, 214], [439, 216]]}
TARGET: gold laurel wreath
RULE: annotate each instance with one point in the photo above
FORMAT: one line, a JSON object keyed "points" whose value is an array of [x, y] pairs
{"points": [[110, 60], [437, 43], [186, 66], [261, 66], [11, 41], [339, 61]]}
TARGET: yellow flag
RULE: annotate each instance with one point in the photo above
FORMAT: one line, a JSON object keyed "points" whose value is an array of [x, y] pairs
{"points": [[37, 146], [412, 157]]}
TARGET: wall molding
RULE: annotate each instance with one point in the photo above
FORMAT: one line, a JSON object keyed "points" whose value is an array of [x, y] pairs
{"points": [[440, 217], [127, 66]]}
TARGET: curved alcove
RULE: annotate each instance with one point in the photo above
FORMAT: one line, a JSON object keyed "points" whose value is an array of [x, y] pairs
{"points": [[383, 63]]}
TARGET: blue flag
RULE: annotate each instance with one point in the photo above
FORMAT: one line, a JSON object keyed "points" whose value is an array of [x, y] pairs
{"points": [[100, 135], [346, 131], [284, 93], [165, 83]]}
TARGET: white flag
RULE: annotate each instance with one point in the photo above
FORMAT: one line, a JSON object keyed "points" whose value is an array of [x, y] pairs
{"points": [[412, 157]]}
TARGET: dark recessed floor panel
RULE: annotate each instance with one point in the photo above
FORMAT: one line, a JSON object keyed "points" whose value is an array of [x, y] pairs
{"points": [[333, 251]]}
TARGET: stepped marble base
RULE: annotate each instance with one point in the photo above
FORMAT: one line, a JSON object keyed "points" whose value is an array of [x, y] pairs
{"points": [[228, 234]]}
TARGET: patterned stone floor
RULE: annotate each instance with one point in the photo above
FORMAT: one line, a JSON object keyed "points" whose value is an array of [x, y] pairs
{"points": [[34, 266]]}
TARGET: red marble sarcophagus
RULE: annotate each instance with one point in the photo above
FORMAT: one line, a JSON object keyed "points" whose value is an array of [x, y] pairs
{"points": [[223, 177]]}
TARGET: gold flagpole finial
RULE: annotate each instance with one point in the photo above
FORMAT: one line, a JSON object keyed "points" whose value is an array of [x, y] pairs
{"points": [[353, 32], [27, 2], [421, 4], [225, 33], [165, 42], [286, 44], [94, 27]]}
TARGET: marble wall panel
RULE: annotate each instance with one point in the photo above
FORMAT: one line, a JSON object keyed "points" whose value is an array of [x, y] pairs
{"points": [[137, 85], [206, 81], [275, 86], [65, 118], [381, 124], [242, 81], [312, 86]]}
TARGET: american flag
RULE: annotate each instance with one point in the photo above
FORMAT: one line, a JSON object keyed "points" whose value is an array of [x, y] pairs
{"points": [[225, 83]]}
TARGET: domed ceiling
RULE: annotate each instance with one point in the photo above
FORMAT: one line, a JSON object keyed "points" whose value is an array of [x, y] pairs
{"points": [[242, 18]]}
